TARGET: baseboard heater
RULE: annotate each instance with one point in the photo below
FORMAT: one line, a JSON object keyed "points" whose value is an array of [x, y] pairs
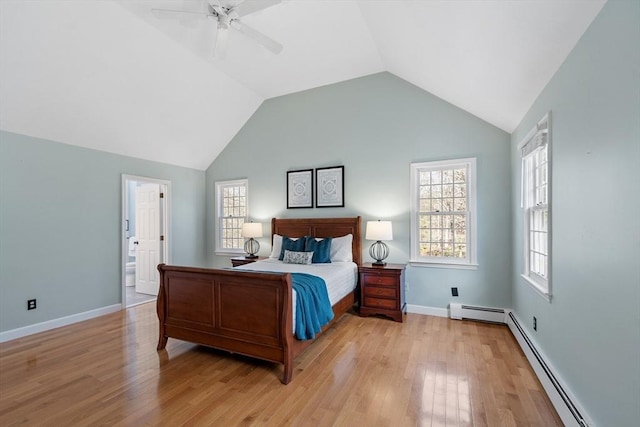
{"points": [[473, 312], [568, 411]]}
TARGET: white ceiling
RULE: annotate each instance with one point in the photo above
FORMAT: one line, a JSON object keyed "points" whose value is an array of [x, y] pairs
{"points": [[112, 76]]}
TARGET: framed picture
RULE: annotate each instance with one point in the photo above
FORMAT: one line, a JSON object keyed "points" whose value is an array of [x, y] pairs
{"points": [[330, 187], [300, 189]]}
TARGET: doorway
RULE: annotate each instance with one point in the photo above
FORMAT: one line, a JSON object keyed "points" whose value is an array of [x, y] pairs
{"points": [[145, 215]]}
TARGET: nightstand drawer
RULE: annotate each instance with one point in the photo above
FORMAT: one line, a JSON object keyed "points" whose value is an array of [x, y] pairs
{"points": [[371, 279], [380, 292], [380, 302]]}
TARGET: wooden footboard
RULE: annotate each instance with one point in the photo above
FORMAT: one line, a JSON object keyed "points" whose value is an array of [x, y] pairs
{"points": [[238, 311]]}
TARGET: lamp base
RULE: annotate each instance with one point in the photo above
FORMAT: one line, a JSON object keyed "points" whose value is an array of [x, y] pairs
{"points": [[251, 248], [379, 251]]}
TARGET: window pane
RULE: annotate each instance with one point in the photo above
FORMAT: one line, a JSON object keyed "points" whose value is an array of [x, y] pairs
{"points": [[460, 190], [460, 175], [232, 213], [424, 178], [443, 206], [535, 194], [447, 249], [425, 192], [435, 249], [460, 204], [436, 191]]}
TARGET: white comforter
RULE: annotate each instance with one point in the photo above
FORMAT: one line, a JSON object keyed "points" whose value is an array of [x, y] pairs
{"points": [[340, 277]]}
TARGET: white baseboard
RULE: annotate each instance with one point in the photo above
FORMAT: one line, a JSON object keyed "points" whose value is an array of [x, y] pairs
{"points": [[569, 409], [56, 323], [429, 311]]}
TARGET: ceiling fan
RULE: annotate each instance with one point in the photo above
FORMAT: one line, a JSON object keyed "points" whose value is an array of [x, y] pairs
{"points": [[227, 14]]}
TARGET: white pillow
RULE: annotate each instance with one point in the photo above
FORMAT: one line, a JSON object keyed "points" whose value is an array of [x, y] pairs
{"points": [[276, 247], [341, 250]]}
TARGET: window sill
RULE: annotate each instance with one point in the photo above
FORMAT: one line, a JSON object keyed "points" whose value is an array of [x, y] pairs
{"points": [[230, 253], [544, 293], [450, 265]]}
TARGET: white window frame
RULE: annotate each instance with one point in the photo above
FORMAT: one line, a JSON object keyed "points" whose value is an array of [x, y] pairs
{"points": [[539, 138], [220, 185], [470, 262]]}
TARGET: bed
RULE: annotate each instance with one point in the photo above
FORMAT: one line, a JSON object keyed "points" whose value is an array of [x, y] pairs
{"points": [[243, 311]]}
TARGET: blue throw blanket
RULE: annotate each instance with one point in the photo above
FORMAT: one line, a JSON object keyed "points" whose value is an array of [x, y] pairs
{"points": [[313, 309]]}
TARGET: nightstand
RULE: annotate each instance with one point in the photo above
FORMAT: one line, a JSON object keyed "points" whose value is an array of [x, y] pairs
{"points": [[240, 260], [382, 290]]}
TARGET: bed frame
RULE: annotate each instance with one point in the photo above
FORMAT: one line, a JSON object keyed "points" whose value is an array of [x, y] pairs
{"points": [[245, 312]]}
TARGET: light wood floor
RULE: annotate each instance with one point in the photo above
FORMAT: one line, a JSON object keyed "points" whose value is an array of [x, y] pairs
{"points": [[362, 372]]}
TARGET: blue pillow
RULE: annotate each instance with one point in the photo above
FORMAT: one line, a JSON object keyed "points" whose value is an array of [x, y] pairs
{"points": [[321, 249], [291, 245]]}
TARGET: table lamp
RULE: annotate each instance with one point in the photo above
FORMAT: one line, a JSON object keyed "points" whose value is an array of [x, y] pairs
{"points": [[251, 230], [379, 231]]}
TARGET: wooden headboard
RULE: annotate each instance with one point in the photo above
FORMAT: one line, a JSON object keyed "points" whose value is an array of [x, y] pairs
{"points": [[321, 227]]}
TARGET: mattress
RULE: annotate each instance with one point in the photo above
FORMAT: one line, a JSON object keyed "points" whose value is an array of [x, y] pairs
{"points": [[340, 277]]}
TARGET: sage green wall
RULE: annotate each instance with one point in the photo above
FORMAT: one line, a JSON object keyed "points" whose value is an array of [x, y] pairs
{"points": [[60, 212], [376, 126], [591, 329]]}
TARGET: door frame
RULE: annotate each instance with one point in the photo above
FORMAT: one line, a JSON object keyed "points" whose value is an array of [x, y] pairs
{"points": [[165, 217]]}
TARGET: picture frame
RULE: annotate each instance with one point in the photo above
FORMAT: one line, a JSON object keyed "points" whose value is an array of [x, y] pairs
{"points": [[330, 187], [300, 189]]}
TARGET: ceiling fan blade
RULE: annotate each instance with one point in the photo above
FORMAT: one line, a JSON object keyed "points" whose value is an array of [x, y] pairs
{"points": [[251, 6], [171, 13], [256, 35], [221, 43]]}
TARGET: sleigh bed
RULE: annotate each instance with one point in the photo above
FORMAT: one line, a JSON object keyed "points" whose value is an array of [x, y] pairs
{"points": [[243, 311]]}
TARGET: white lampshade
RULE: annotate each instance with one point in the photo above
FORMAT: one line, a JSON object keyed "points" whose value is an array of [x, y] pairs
{"points": [[252, 229], [379, 230]]}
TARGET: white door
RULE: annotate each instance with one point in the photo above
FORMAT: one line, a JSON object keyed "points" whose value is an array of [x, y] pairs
{"points": [[148, 238]]}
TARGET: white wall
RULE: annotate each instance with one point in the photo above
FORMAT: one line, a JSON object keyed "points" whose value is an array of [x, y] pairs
{"points": [[376, 126], [591, 329], [60, 231]]}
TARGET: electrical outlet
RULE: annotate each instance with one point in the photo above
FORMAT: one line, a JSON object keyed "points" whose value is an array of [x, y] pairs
{"points": [[31, 304], [454, 292], [535, 323]]}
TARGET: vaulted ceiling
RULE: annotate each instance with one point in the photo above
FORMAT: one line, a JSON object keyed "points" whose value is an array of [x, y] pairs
{"points": [[113, 76]]}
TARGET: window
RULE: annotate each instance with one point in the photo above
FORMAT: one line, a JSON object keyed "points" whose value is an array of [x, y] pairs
{"points": [[443, 213], [232, 209], [535, 207]]}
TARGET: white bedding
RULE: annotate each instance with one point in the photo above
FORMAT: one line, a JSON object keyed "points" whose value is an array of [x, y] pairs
{"points": [[340, 277]]}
